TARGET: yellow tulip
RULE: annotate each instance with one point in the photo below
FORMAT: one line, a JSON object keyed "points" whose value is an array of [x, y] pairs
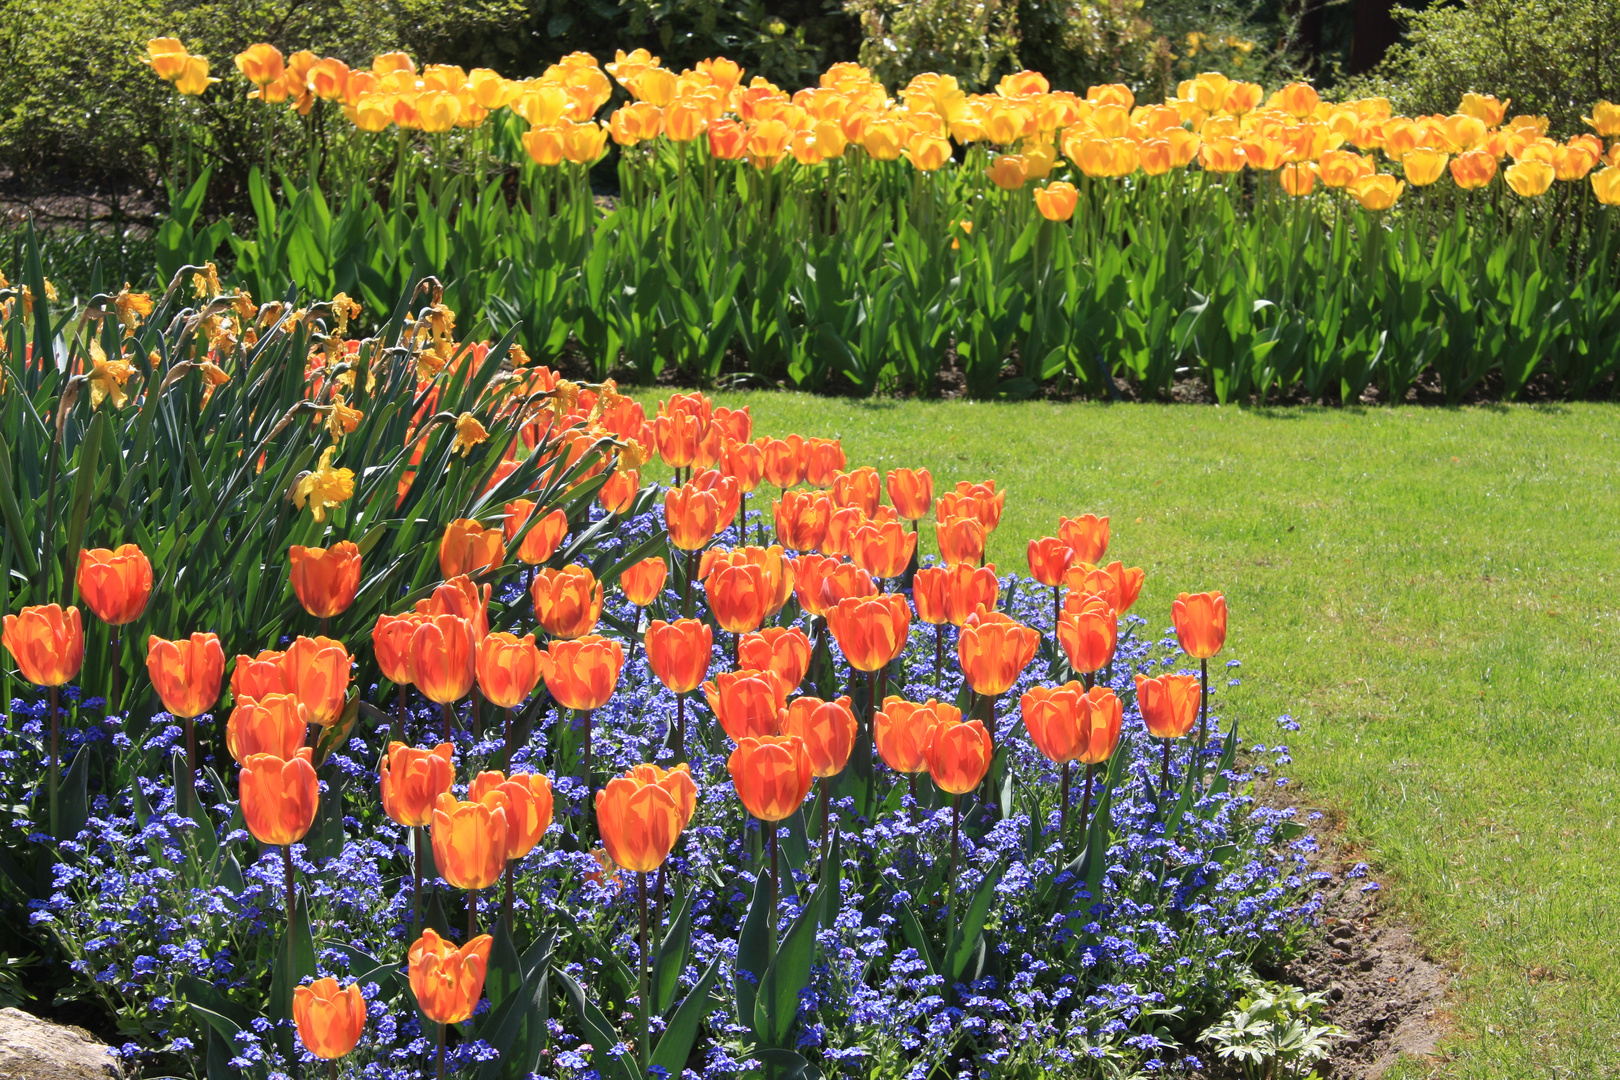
{"points": [[194, 80], [1529, 178], [1606, 186], [1424, 166], [1377, 192]]}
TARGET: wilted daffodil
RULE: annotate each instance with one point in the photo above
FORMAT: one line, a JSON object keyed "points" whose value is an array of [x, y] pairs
{"points": [[324, 486]]}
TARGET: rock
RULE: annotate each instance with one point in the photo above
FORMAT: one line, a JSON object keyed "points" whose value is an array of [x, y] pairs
{"points": [[35, 1049]]}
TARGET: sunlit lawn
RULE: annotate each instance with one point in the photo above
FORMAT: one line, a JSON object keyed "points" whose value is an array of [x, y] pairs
{"points": [[1432, 592]]}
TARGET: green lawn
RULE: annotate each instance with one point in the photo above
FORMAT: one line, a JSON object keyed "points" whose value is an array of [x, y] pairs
{"points": [[1431, 592]]}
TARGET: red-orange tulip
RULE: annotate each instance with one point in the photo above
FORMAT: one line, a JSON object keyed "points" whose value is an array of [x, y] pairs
{"points": [[1049, 559], [692, 516], [968, 589], [859, 488], [678, 438], [115, 584], [747, 702], [255, 677], [461, 598], [679, 652], [744, 462], [469, 842], [567, 602], [1087, 535], [330, 1021], [443, 658], [728, 496], [1089, 635], [508, 668], [780, 574], [325, 579], [784, 650], [930, 587], [883, 550], [317, 670], [643, 581], [802, 519], [677, 781], [544, 803], [278, 796], [467, 547], [413, 780], [993, 650], [47, 642], [785, 460], [841, 581], [1169, 704], [987, 502], [828, 730], [539, 543], [912, 492], [391, 643], [772, 775], [1128, 583], [1200, 620], [809, 570], [273, 725], [515, 800], [186, 673], [903, 728], [583, 673], [619, 490], [841, 525], [739, 596], [823, 460], [961, 540], [870, 630], [448, 981], [958, 755], [639, 820], [1085, 580], [1068, 723]]}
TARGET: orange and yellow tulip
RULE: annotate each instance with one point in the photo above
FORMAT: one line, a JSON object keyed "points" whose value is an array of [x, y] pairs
{"points": [[469, 842], [1049, 559], [643, 581], [619, 490], [115, 584], [823, 461], [961, 541], [802, 518], [1169, 704], [1087, 535], [739, 596], [413, 780], [785, 461], [325, 579], [1069, 723], [1056, 202], [993, 650], [186, 673], [784, 650], [640, 821], [540, 542], [567, 602], [883, 549], [517, 800], [872, 630], [584, 672], [330, 1020], [448, 981], [461, 598], [1089, 635], [969, 588], [958, 754], [912, 493], [747, 702], [902, 729], [772, 775], [828, 730], [692, 516], [443, 658], [47, 642], [274, 725], [278, 796], [859, 488], [391, 644], [679, 652], [930, 588], [468, 547], [1200, 621], [508, 668]]}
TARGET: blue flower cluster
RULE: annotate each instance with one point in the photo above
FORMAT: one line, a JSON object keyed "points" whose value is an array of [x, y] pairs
{"points": [[154, 910]]}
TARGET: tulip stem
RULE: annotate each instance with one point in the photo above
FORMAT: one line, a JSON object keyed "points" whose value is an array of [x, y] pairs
{"points": [[1063, 801], [404, 715], [1085, 800], [506, 755], [324, 621], [950, 882], [1057, 607], [510, 867], [449, 720], [191, 765], [641, 968], [472, 914], [686, 585], [590, 786], [112, 694], [287, 867], [477, 720], [441, 1052], [1167, 765], [331, 1069], [56, 763], [680, 727], [416, 878], [912, 781], [939, 659], [770, 844], [826, 803], [1203, 713]]}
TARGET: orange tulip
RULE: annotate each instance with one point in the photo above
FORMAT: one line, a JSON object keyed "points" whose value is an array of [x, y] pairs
{"points": [[744, 462], [413, 780], [860, 488], [640, 821], [902, 730], [780, 573], [802, 518], [1085, 580], [739, 596], [461, 598], [871, 631], [469, 842], [1056, 202], [747, 703], [987, 502], [391, 643], [643, 581], [515, 799], [443, 658], [1200, 620], [785, 461], [841, 581], [784, 650], [883, 550], [809, 569], [467, 547], [330, 1021], [115, 584], [325, 579], [828, 730], [47, 642], [619, 490], [841, 525], [508, 667], [256, 677], [911, 492], [1127, 583], [1049, 559], [993, 650], [1089, 636], [1069, 723], [539, 543], [678, 437], [969, 588], [317, 670], [929, 590], [679, 652], [1169, 704], [186, 673], [958, 754], [544, 804], [582, 673], [567, 602], [824, 459], [961, 541], [448, 981], [1086, 535], [677, 782], [728, 496], [692, 516], [278, 796], [772, 775], [272, 725]]}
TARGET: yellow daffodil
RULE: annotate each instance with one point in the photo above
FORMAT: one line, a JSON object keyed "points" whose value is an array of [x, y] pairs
{"points": [[324, 487]]}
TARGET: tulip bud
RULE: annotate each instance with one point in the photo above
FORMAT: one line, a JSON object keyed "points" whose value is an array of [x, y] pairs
{"points": [[391, 643], [911, 492], [413, 780], [186, 673], [469, 842], [1200, 621], [442, 658], [330, 1021], [47, 642], [325, 579], [772, 775], [643, 581], [542, 540], [747, 703], [871, 631], [448, 981], [468, 547], [1169, 704], [274, 724], [278, 796], [115, 584]]}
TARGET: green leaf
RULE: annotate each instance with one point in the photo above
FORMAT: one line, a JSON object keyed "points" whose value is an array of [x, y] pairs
{"points": [[675, 1046], [753, 952], [777, 1005], [75, 796], [671, 959], [12, 514], [294, 962], [966, 937], [599, 1032]]}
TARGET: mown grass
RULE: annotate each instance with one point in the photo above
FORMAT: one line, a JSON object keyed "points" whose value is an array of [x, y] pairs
{"points": [[1432, 592]]}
